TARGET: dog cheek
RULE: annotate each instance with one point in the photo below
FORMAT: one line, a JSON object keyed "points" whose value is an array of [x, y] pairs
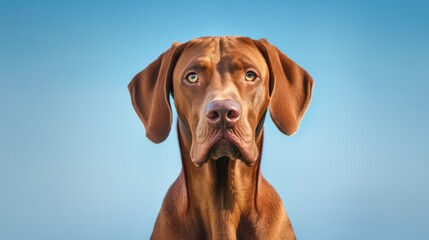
{"points": [[252, 117], [244, 130], [201, 131], [259, 99], [261, 104]]}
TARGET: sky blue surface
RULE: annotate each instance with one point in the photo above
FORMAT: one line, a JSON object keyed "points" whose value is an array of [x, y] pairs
{"points": [[74, 160]]}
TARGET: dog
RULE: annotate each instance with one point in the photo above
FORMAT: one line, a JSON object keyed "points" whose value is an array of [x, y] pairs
{"points": [[222, 88]]}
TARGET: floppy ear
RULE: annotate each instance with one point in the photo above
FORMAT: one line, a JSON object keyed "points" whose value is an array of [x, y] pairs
{"points": [[149, 92], [290, 88]]}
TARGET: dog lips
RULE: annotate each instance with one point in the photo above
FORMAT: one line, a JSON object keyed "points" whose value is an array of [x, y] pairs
{"points": [[224, 148]]}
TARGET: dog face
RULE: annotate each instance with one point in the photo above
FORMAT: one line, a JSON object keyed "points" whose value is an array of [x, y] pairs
{"points": [[222, 87]]}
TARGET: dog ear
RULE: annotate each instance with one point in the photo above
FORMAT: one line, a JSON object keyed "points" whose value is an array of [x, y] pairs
{"points": [[149, 92], [290, 88]]}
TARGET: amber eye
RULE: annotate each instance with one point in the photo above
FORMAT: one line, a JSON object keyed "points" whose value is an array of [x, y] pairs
{"points": [[250, 76], [192, 77]]}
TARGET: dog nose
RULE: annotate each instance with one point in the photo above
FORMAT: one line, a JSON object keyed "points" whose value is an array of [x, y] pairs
{"points": [[223, 112]]}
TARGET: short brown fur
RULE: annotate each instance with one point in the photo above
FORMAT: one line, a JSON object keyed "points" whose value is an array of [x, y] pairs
{"points": [[220, 192]]}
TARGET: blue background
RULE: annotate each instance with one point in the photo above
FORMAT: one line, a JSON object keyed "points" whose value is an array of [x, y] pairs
{"points": [[74, 160]]}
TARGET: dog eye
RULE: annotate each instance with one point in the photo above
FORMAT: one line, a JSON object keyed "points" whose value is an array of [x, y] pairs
{"points": [[192, 77], [250, 76]]}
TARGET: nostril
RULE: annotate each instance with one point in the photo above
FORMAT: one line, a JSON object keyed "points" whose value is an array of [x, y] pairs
{"points": [[212, 115], [232, 114]]}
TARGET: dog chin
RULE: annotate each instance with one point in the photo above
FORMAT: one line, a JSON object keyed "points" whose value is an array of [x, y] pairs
{"points": [[224, 148]]}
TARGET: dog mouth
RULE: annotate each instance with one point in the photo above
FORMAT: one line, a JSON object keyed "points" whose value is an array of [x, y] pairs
{"points": [[224, 146]]}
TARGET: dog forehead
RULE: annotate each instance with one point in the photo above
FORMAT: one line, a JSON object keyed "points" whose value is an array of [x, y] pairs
{"points": [[210, 51]]}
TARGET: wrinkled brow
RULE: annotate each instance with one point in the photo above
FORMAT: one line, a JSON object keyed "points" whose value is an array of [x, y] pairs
{"points": [[202, 63], [241, 63]]}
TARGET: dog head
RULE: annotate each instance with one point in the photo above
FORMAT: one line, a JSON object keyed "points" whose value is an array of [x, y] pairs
{"points": [[222, 88]]}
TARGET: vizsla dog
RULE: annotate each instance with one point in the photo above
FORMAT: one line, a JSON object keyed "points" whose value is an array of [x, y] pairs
{"points": [[222, 88]]}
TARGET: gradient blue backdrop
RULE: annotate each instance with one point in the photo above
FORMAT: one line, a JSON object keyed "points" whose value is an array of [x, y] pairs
{"points": [[74, 160]]}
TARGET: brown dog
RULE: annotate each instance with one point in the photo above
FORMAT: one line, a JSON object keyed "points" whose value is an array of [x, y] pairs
{"points": [[222, 87]]}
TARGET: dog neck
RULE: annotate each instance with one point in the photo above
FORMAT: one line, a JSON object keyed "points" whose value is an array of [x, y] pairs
{"points": [[222, 192]]}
